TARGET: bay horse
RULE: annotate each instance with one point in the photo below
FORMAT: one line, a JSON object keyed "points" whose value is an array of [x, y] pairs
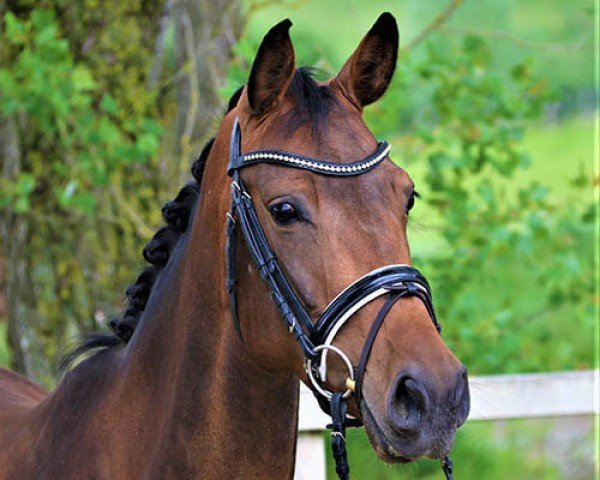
{"points": [[199, 378]]}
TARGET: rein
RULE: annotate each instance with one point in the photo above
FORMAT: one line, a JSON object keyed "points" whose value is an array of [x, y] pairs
{"points": [[316, 340]]}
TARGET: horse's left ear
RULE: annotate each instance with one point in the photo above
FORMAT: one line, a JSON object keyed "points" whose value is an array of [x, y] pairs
{"points": [[367, 73]]}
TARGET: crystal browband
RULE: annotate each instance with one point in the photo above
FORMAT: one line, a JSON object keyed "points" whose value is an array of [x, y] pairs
{"points": [[317, 166]]}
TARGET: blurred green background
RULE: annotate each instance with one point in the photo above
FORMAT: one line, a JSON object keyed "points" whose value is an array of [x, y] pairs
{"points": [[493, 113]]}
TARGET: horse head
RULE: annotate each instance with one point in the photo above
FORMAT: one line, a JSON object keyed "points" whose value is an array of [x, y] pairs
{"points": [[333, 208]]}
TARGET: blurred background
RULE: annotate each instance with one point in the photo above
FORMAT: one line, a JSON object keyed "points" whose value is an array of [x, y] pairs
{"points": [[493, 111]]}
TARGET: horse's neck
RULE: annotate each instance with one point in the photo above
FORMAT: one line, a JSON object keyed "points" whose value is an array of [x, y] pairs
{"points": [[208, 410], [184, 399]]}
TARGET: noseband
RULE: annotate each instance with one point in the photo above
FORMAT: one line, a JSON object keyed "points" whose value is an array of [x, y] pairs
{"points": [[315, 339]]}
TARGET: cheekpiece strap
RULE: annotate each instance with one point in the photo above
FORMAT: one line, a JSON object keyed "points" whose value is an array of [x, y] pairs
{"points": [[243, 216]]}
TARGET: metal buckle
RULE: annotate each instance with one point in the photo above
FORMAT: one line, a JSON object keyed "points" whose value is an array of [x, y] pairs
{"points": [[293, 324], [236, 186]]}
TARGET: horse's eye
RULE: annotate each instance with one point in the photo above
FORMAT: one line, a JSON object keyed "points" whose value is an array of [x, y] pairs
{"points": [[411, 201], [284, 212]]}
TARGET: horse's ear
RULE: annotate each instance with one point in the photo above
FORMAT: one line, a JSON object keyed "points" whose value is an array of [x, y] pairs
{"points": [[272, 70], [368, 72]]}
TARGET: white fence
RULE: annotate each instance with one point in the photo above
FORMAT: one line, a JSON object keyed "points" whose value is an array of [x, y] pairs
{"points": [[492, 398]]}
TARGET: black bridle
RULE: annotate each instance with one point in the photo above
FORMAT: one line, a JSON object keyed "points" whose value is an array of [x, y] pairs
{"points": [[315, 339]]}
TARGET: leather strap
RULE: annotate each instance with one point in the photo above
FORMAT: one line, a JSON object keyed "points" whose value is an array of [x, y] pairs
{"points": [[293, 160], [231, 255], [359, 374], [339, 410], [287, 302], [391, 277]]}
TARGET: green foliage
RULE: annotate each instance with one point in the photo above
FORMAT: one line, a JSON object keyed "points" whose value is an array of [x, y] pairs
{"points": [[73, 81], [513, 262], [58, 97]]}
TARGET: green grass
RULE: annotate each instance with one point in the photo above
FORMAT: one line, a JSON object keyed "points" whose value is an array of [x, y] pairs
{"points": [[560, 152]]}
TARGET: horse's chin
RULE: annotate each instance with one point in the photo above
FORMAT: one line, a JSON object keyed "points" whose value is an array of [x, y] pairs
{"points": [[383, 447], [391, 448]]}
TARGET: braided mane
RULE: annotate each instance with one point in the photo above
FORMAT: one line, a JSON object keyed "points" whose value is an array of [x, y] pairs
{"points": [[312, 102], [157, 252]]}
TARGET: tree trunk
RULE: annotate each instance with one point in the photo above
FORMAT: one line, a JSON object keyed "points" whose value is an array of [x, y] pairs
{"points": [[206, 32], [13, 232]]}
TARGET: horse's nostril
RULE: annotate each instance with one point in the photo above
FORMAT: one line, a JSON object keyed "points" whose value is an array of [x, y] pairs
{"points": [[406, 401], [460, 384], [407, 405]]}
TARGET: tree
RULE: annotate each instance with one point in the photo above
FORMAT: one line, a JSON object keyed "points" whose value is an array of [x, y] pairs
{"points": [[86, 93]]}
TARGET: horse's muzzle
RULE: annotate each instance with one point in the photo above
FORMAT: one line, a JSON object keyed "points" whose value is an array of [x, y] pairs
{"points": [[419, 420]]}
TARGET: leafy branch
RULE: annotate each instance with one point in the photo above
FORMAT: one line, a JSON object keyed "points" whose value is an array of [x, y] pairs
{"points": [[435, 24]]}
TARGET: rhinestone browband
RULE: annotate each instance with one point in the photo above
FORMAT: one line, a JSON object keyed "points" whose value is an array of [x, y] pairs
{"points": [[317, 166]]}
